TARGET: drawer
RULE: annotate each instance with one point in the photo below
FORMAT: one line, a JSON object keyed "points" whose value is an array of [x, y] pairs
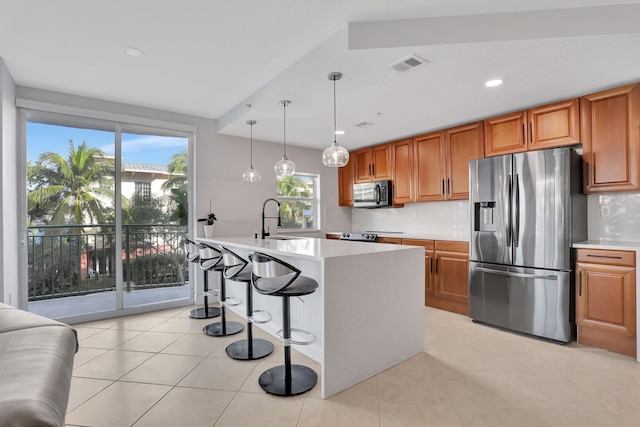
{"points": [[451, 246], [428, 245], [602, 256]]}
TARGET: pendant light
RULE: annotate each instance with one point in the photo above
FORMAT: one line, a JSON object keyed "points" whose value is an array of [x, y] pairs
{"points": [[251, 174], [335, 155], [285, 166]]}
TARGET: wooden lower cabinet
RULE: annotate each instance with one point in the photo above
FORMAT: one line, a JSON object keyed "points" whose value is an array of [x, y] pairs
{"points": [[451, 277], [606, 299], [429, 255], [392, 240], [446, 278]]}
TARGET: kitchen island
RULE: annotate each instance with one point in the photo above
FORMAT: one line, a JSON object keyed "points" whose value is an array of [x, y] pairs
{"points": [[367, 313]]}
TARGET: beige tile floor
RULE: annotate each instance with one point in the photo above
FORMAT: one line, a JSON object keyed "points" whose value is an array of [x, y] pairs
{"points": [[158, 369]]}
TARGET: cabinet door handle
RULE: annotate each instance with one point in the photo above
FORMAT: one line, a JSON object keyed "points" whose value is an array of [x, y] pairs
{"points": [[524, 140], [436, 265], [587, 173], [531, 132], [449, 186], [580, 283], [442, 187], [430, 265], [605, 256], [373, 169]]}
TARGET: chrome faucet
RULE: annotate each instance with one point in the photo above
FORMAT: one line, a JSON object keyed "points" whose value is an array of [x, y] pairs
{"points": [[264, 205]]}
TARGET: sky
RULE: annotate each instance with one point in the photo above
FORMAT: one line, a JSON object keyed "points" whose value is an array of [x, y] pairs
{"points": [[148, 149]]}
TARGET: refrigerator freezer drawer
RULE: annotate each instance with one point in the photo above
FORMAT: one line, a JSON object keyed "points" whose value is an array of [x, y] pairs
{"points": [[532, 301]]}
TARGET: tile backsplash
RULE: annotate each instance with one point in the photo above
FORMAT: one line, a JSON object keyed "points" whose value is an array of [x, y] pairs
{"points": [[614, 216], [429, 218]]}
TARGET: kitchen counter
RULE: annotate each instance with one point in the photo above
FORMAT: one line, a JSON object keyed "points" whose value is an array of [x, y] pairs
{"points": [[367, 312], [456, 237], [620, 246]]}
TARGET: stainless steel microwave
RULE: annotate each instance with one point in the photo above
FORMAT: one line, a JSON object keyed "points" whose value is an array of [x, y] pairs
{"points": [[375, 194]]}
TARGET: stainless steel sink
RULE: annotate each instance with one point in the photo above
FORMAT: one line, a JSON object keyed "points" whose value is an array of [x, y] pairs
{"points": [[283, 238]]}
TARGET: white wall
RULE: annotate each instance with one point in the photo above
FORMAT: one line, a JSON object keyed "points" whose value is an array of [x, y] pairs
{"points": [[9, 243], [238, 204]]}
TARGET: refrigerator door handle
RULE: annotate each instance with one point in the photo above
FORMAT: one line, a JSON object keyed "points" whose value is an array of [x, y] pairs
{"points": [[516, 197], [508, 229], [513, 274]]}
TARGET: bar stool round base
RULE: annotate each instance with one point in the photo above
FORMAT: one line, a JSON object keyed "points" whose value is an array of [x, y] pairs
{"points": [[239, 350], [302, 379], [215, 329], [198, 313]]}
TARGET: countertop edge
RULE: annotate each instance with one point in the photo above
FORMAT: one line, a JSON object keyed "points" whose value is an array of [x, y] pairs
{"points": [[608, 244]]}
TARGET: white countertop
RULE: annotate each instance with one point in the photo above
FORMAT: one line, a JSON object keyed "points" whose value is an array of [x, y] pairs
{"points": [[457, 237], [608, 244], [306, 247]]}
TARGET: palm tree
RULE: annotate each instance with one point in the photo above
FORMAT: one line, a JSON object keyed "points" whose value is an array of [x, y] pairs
{"points": [[177, 171], [291, 211], [79, 184]]}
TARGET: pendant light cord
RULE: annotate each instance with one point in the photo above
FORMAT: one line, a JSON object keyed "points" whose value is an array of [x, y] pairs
{"points": [[335, 128], [251, 161], [284, 139]]}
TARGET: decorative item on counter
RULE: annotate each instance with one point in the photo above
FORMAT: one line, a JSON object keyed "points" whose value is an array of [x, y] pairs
{"points": [[285, 167], [335, 155], [251, 174], [210, 220]]}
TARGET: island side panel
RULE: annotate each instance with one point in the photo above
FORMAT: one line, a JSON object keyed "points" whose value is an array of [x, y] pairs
{"points": [[374, 315]]}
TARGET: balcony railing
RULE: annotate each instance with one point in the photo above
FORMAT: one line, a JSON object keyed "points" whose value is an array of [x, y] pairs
{"points": [[74, 260]]}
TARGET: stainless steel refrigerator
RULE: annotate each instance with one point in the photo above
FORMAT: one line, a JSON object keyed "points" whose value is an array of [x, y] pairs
{"points": [[526, 210]]}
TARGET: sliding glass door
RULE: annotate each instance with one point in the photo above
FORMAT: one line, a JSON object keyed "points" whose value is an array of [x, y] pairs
{"points": [[103, 230]]}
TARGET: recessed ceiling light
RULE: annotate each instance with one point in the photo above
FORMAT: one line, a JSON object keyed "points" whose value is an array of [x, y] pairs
{"points": [[493, 83], [339, 132], [132, 51]]}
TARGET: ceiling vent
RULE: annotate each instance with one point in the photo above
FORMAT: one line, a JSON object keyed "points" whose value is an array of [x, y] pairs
{"points": [[408, 63], [363, 124]]}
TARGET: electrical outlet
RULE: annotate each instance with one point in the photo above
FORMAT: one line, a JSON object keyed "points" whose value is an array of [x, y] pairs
{"points": [[465, 214], [604, 211]]}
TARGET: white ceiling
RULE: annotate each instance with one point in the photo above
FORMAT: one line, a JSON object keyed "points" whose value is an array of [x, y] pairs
{"points": [[234, 60]]}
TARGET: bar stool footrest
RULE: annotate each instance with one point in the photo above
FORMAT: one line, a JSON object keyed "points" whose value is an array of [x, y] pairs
{"points": [[298, 336], [260, 316], [232, 302]]}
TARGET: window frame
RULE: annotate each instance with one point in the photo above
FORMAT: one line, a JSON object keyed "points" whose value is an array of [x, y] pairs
{"points": [[314, 200]]}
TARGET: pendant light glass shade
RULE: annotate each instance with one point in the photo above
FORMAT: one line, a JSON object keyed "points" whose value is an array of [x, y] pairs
{"points": [[335, 155], [284, 166], [251, 174]]}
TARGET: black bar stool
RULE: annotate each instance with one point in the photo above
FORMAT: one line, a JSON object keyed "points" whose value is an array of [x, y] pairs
{"points": [[211, 260], [206, 312], [271, 276], [237, 269]]}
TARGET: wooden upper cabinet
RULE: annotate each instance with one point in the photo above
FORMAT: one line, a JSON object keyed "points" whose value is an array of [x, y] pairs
{"points": [[441, 159], [402, 171], [554, 125], [505, 134], [345, 184], [373, 163], [610, 127], [429, 167], [362, 165], [462, 144]]}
